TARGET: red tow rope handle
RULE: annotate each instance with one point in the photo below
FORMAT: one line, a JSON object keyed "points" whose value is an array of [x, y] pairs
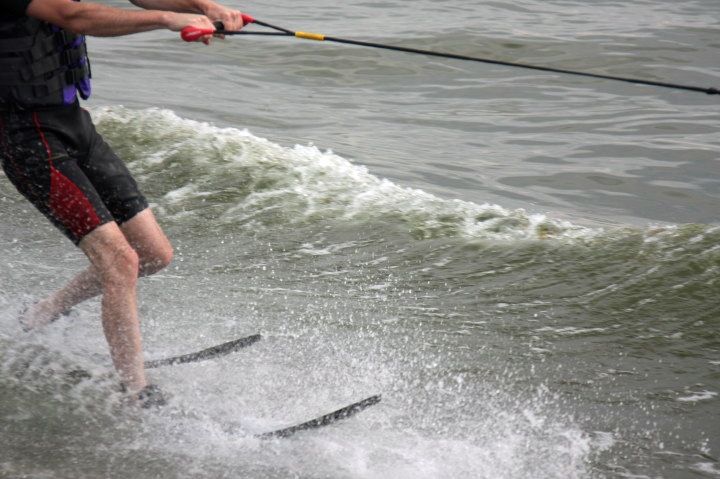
{"points": [[192, 34]]}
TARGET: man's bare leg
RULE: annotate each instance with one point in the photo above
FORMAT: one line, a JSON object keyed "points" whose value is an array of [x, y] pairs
{"points": [[144, 235], [116, 263]]}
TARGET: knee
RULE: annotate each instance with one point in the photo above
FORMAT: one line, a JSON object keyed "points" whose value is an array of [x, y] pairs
{"points": [[122, 269], [156, 260]]}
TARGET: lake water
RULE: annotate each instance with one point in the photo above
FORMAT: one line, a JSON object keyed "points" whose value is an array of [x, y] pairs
{"points": [[525, 265]]}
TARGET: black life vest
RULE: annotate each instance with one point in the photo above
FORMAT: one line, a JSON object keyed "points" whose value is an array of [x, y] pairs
{"points": [[41, 64]]}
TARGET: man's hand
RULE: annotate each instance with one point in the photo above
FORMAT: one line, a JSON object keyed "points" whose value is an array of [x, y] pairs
{"points": [[231, 19], [179, 21]]}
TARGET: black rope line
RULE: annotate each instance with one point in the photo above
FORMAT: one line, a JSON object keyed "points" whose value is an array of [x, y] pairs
{"points": [[285, 32]]}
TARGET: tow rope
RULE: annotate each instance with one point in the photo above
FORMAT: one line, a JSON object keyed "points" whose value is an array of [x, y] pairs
{"points": [[190, 34]]}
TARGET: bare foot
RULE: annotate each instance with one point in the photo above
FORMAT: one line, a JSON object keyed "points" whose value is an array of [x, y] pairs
{"points": [[39, 315]]}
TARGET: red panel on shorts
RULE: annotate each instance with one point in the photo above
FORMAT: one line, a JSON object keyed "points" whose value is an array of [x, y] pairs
{"points": [[70, 206]]}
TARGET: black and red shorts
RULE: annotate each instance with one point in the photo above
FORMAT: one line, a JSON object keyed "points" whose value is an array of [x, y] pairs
{"points": [[57, 160]]}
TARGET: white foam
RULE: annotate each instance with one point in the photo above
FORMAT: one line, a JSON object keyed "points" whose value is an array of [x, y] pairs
{"points": [[250, 179], [698, 396]]}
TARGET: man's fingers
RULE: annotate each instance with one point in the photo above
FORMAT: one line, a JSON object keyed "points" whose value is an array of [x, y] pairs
{"points": [[232, 20]]}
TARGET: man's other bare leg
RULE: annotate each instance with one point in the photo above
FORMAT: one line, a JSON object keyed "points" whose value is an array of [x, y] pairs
{"points": [[144, 235], [148, 239]]}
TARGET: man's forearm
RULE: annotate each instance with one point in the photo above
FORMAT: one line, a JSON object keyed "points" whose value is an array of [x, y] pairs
{"points": [[95, 19], [100, 20]]}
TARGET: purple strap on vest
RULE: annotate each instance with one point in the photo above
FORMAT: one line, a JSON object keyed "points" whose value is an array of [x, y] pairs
{"points": [[83, 86]]}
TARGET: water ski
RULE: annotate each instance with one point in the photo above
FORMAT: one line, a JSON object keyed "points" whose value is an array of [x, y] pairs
{"points": [[324, 420], [209, 353]]}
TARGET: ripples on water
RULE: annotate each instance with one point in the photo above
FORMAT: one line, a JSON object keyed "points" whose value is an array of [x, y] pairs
{"points": [[508, 342], [479, 132]]}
